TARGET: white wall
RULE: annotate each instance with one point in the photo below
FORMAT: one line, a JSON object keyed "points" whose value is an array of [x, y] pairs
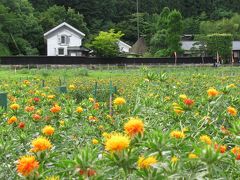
{"points": [[123, 47], [53, 42]]}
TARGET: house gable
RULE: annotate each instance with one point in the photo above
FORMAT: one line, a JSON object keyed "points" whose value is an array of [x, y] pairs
{"points": [[63, 26]]}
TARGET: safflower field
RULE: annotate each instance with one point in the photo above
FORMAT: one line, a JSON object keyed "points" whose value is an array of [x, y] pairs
{"points": [[146, 123]]}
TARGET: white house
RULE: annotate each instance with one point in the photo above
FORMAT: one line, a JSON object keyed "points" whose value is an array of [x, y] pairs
{"points": [[123, 47], [65, 40]]}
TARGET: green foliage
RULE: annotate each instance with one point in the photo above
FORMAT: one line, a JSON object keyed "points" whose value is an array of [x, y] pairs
{"points": [[55, 15], [4, 51], [167, 38], [221, 43], [105, 44], [230, 26]]}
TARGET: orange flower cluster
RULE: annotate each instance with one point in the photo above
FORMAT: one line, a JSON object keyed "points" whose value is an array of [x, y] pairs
{"points": [[145, 163], [177, 134], [134, 126], [48, 130], [55, 109], [26, 165], [41, 144], [12, 120], [232, 111]]}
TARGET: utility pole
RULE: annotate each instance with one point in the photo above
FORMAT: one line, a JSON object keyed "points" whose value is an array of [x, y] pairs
{"points": [[138, 31]]}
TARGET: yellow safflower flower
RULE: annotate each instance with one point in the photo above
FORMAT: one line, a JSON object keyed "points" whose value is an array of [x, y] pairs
{"points": [[41, 144], [232, 111], [192, 156], [206, 139], [177, 134], [119, 101], [134, 126], [145, 163], [117, 142], [48, 130], [212, 92]]}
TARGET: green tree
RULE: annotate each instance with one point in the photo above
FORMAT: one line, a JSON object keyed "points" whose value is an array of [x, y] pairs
{"points": [[56, 15], [175, 30], [221, 44], [106, 43]]}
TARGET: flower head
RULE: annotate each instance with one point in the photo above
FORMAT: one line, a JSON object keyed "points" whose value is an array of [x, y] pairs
{"points": [[55, 109], [134, 126], [221, 148], [145, 163], [232, 111], [177, 134], [117, 142], [212, 92], [119, 101], [41, 144], [48, 130], [21, 125], [36, 116], [72, 87], [12, 120], [174, 159], [29, 108], [53, 178], [188, 102], [79, 109], [95, 141], [26, 165], [206, 139], [192, 156], [15, 106], [183, 96]]}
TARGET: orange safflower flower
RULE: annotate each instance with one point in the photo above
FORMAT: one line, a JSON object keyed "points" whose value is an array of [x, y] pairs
{"points": [[177, 134], [15, 107], [91, 100], [92, 118], [119, 101], [206, 139], [232, 111], [12, 120], [55, 109], [79, 110], [117, 142], [96, 106], [36, 116], [235, 150], [48, 130], [26, 165], [221, 148], [41, 144], [21, 125], [188, 102], [145, 163], [29, 108], [134, 126], [212, 92], [192, 156]]}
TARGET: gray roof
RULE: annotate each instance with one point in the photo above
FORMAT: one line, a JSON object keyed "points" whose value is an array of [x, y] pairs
{"points": [[187, 45]]}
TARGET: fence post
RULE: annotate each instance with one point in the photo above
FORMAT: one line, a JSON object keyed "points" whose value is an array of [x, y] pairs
{"points": [[110, 99]]}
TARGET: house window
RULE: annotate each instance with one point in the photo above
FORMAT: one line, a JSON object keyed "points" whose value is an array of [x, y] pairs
{"points": [[60, 51], [63, 39]]}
